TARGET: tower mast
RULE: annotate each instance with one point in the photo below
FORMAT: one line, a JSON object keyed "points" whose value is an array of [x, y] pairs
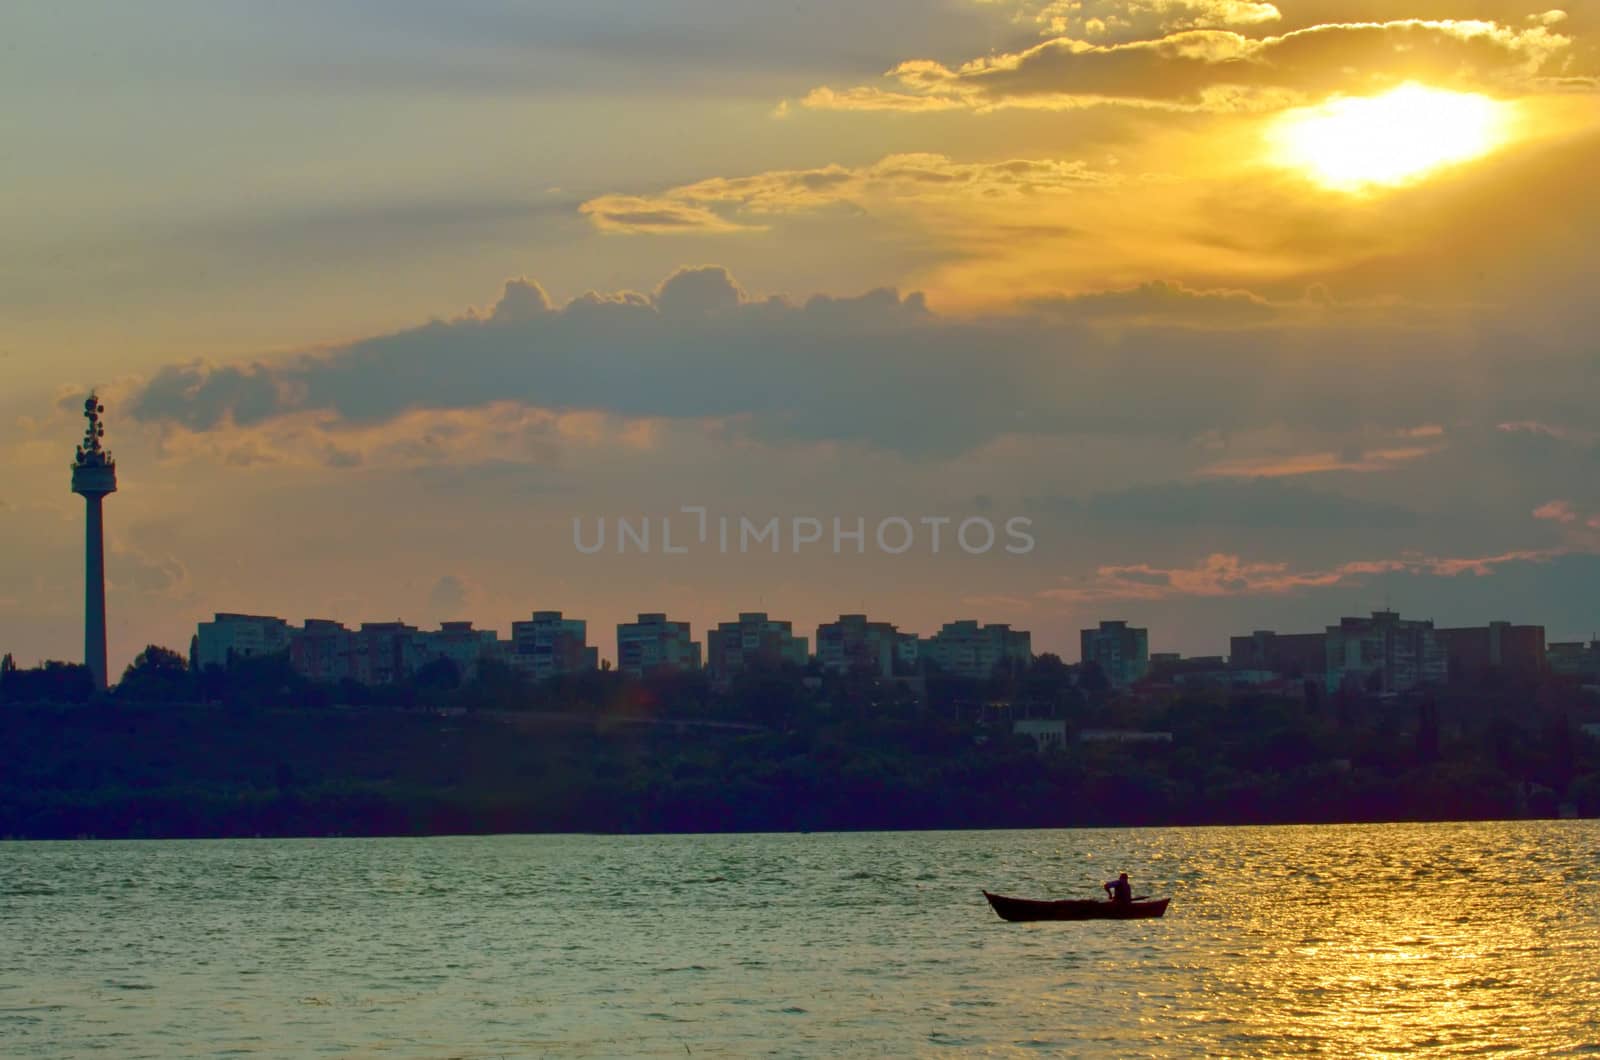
{"points": [[94, 474]]}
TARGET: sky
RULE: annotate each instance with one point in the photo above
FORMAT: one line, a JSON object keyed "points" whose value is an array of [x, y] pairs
{"points": [[1222, 315]]}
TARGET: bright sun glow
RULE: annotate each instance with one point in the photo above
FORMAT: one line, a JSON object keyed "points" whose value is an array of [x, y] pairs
{"points": [[1382, 141]]}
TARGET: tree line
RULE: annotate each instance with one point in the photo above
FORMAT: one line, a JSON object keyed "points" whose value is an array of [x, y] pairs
{"points": [[254, 748]]}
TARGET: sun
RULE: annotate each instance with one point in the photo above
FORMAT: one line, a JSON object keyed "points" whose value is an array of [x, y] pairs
{"points": [[1359, 143]]}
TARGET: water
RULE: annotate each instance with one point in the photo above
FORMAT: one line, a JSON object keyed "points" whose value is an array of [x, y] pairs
{"points": [[1334, 941]]}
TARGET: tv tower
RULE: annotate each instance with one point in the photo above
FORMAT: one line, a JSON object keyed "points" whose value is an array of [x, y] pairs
{"points": [[94, 474]]}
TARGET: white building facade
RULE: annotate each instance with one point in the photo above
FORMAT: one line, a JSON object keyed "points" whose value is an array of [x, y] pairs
{"points": [[966, 649], [230, 636], [753, 640], [655, 643], [550, 645], [1385, 653], [1121, 651]]}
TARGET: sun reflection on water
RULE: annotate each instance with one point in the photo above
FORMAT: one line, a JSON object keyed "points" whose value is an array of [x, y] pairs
{"points": [[1362, 942]]}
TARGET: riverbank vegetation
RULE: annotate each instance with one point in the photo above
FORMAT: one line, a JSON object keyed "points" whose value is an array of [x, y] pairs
{"points": [[256, 750]]}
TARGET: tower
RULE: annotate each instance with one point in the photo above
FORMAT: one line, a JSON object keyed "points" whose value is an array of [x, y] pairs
{"points": [[94, 474]]}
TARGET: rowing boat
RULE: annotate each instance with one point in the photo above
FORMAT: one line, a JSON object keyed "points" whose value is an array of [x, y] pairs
{"points": [[1074, 909]]}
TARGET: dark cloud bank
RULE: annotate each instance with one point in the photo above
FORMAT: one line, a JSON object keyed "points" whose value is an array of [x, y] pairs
{"points": [[879, 369]]}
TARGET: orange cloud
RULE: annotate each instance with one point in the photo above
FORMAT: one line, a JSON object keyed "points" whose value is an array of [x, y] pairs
{"points": [[1316, 463], [1565, 434], [1226, 575], [1577, 526], [1449, 568], [502, 430], [1556, 511]]}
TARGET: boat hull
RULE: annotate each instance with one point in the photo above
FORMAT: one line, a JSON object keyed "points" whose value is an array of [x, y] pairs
{"points": [[1018, 909]]}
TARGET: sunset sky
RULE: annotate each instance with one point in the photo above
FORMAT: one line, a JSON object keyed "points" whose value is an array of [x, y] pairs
{"points": [[1263, 313]]}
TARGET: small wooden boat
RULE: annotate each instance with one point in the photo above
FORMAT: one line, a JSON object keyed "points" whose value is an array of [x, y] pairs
{"points": [[1075, 909]]}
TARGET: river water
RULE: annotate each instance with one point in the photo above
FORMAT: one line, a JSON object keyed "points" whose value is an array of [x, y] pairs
{"points": [[1334, 941]]}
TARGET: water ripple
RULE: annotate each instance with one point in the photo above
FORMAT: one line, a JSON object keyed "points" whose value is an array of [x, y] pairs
{"points": [[1339, 941]]}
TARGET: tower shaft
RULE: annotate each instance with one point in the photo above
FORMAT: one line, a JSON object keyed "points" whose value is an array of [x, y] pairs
{"points": [[94, 590]]}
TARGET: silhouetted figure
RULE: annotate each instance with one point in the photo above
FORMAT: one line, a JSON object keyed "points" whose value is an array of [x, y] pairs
{"points": [[1120, 890]]}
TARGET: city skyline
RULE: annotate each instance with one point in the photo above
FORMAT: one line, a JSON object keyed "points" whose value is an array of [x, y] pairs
{"points": [[640, 546], [665, 528], [1110, 644], [1256, 312]]}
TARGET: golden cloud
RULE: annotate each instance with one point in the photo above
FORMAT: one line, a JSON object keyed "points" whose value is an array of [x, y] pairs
{"points": [[657, 216], [905, 178], [867, 97], [1220, 69], [1119, 19]]}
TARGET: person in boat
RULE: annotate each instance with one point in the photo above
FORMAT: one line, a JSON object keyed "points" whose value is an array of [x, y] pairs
{"points": [[1120, 890]]}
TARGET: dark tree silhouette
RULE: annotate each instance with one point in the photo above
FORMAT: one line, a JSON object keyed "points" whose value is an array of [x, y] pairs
{"points": [[157, 675], [1092, 679], [53, 682], [439, 675]]}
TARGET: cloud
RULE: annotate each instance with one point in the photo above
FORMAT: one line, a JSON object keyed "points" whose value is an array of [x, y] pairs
{"points": [[1577, 526], [1167, 302], [697, 349], [633, 215], [1139, 19], [567, 48], [494, 432], [1219, 69], [698, 292], [1556, 511], [1227, 575], [1317, 463], [449, 596], [871, 97], [893, 180], [1559, 432], [194, 397], [521, 300], [878, 370], [129, 570], [1233, 241], [1262, 504]]}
